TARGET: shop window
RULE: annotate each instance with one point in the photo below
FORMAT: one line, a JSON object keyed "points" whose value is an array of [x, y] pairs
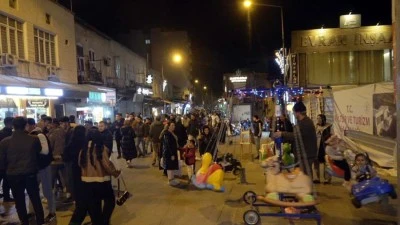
{"points": [[45, 47], [11, 36]]}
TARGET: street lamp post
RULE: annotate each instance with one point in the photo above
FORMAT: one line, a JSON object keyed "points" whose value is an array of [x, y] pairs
{"points": [[176, 59], [247, 4]]}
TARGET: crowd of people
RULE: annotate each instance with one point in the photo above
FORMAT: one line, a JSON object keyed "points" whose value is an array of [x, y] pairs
{"points": [[72, 162]]}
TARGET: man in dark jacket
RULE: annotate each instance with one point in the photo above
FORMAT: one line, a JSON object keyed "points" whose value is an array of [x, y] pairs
{"points": [[154, 134], [116, 130], [18, 156], [106, 136], [147, 140], [6, 132], [193, 129], [138, 127], [308, 135]]}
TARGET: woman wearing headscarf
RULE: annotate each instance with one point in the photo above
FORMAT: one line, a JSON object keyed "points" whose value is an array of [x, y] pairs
{"points": [[323, 130], [170, 153]]}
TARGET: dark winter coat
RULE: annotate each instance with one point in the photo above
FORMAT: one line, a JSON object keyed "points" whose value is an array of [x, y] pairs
{"points": [[206, 143], [5, 132], [19, 153], [169, 149], [128, 143], [146, 127], [139, 129], [180, 132]]}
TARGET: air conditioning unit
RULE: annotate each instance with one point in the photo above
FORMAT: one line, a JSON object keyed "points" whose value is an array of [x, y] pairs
{"points": [[8, 60], [107, 61]]}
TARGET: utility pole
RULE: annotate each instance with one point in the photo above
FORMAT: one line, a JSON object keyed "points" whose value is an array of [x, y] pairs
{"points": [[396, 78]]}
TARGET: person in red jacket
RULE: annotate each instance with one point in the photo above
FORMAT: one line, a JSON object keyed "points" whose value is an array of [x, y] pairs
{"points": [[189, 154]]}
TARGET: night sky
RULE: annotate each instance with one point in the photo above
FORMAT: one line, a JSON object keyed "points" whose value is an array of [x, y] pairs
{"points": [[218, 28]]}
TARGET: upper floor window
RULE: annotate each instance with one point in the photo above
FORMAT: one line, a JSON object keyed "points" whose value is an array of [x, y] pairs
{"points": [[11, 37], [45, 47], [91, 55], [80, 58], [48, 18]]}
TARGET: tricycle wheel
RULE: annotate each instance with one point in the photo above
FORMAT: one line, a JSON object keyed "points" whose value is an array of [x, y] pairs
{"points": [[393, 193], [356, 203], [249, 197], [251, 217]]}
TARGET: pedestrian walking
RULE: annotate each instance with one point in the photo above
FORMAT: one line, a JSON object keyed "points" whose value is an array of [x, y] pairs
{"points": [[138, 127], [6, 132], [106, 136], [97, 169], [19, 157], [155, 131], [170, 153], [116, 130], [257, 132], [128, 143], [44, 174]]}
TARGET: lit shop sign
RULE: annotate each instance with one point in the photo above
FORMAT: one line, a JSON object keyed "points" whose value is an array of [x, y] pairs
{"points": [[53, 92], [241, 79], [97, 96], [37, 103], [144, 91], [22, 91]]}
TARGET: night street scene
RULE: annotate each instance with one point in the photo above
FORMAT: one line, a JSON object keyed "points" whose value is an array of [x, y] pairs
{"points": [[199, 112]]}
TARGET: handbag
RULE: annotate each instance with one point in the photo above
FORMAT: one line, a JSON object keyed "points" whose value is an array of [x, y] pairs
{"points": [[121, 199]]}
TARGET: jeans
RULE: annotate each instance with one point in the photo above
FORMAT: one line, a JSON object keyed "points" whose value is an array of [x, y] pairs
{"points": [[18, 184], [156, 149], [58, 169], [69, 181], [44, 177], [6, 187], [138, 141]]}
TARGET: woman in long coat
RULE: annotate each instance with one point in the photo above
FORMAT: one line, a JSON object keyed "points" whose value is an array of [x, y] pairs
{"points": [[323, 130], [170, 153], [128, 143]]}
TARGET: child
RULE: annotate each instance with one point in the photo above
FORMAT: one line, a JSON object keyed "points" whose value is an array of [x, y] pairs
{"points": [[362, 166], [335, 149], [189, 155]]}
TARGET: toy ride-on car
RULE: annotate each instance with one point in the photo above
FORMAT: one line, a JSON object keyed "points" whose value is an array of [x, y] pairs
{"points": [[370, 190]]}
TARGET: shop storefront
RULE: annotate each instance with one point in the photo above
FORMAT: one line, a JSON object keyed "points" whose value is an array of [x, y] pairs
{"points": [[98, 107], [27, 102]]}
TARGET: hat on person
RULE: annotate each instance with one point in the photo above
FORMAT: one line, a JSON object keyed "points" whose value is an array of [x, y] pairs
{"points": [[299, 107]]}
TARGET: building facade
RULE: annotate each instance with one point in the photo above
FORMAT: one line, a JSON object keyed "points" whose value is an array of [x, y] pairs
{"points": [[37, 57]]}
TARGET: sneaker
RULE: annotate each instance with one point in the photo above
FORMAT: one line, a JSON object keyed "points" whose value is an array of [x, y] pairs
{"points": [[316, 182], [50, 218], [258, 157], [173, 182], [153, 164]]}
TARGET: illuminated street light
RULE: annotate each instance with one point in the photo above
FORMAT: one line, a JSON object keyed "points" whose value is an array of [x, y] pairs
{"points": [[247, 4], [205, 87], [196, 81], [177, 58]]}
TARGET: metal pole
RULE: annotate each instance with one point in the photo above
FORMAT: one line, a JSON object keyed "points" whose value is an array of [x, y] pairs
{"points": [[249, 29], [396, 78]]}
